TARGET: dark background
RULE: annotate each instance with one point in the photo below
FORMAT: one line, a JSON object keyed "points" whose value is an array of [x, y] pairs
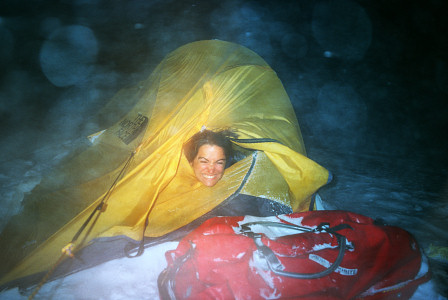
{"points": [[374, 72], [368, 81]]}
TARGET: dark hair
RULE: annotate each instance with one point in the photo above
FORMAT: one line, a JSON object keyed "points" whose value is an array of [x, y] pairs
{"points": [[208, 137]]}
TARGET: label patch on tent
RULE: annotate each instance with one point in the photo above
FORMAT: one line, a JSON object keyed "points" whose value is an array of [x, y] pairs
{"points": [[323, 262], [130, 129]]}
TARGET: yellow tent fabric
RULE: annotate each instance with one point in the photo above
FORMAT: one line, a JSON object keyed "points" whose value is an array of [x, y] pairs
{"points": [[205, 84]]}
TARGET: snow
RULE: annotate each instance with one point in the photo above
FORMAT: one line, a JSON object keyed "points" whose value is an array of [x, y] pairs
{"points": [[367, 80], [68, 56], [136, 278], [323, 246], [350, 37], [125, 278]]}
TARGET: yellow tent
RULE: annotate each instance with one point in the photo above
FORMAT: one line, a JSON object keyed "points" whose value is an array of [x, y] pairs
{"points": [[137, 168]]}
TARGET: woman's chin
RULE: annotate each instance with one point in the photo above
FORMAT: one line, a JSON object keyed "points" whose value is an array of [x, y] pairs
{"points": [[209, 184]]}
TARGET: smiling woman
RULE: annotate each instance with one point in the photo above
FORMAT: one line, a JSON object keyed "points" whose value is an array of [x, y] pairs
{"points": [[208, 153], [208, 165]]}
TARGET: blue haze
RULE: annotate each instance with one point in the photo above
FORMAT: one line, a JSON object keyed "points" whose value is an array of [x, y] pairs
{"points": [[368, 81]]}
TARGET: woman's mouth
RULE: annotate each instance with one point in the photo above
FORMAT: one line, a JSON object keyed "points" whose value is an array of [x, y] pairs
{"points": [[208, 176]]}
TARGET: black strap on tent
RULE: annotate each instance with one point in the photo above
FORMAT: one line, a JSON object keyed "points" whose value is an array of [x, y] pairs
{"points": [[102, 205], [68, 250], [255, 141], [141, 244], [312, 202], [269, 140]]}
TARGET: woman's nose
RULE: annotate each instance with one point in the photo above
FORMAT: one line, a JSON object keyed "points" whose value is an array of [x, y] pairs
{"points": [[210, 167]]}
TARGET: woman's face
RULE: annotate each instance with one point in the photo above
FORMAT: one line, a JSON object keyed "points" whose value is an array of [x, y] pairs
{"points": [[209, 163]]}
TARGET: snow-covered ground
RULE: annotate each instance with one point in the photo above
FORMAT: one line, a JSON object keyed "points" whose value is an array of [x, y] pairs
{"points": [[132, 278], [368, 81]]}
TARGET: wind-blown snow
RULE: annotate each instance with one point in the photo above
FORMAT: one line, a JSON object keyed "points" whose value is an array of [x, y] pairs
{"points": [[68, 56], [125, 278], [367, 79], [348, 36], [136, 278]]}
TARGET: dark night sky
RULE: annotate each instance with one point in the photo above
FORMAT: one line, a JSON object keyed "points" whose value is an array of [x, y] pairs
{"points": [[400, 77]]}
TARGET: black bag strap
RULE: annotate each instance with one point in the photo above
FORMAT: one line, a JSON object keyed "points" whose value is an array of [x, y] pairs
{"points": [[274, 263], [166, 280]]}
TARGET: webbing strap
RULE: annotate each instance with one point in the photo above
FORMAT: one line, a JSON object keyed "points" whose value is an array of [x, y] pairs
{"points": [[69, 249], [274, 263], [166, 280], [255, 141], [101, 206], [312, 202], [141, 244]]}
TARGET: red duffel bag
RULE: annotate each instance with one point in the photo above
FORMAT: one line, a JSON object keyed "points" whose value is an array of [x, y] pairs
{"points": [[310, 255]]}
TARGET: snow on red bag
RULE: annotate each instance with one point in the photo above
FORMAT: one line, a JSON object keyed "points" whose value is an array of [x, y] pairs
{"points": [[309, 255]]}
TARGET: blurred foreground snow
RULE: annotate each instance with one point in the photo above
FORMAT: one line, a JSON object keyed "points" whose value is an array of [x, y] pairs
{"points": [[131, 278]]}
